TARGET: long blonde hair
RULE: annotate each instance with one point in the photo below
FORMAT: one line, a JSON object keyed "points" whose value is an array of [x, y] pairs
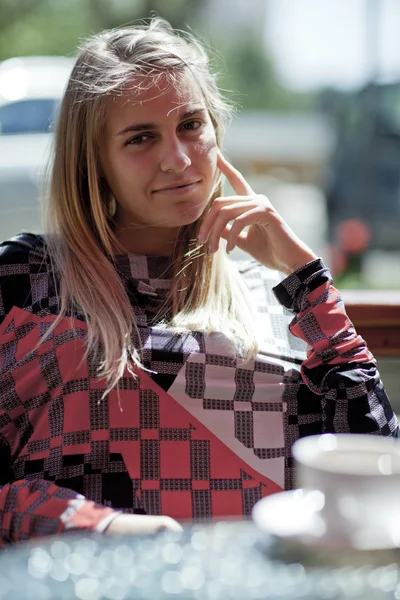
{"points": [[206, 293]]}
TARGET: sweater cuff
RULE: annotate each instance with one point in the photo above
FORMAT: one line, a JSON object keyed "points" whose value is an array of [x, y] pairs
{"points": [[104, 523], [293, 290]]}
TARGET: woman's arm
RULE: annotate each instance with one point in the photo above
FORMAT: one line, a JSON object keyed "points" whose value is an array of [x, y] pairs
{"points": [[339, 366], [37, 508]]}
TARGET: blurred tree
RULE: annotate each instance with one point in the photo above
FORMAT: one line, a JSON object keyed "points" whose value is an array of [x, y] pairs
{"points": [[248, 75], [57, 26], [178, 12], [11, 11], [45, 28]]}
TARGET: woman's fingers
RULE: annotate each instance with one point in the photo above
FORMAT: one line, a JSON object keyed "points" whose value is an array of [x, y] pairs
{"points": [[226, 213], [226, 208], [217, 206], [235, 178], [248, 218], [250, 222]]}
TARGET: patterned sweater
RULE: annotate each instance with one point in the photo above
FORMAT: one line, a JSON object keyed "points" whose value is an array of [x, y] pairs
{"points": [[204, 435]]}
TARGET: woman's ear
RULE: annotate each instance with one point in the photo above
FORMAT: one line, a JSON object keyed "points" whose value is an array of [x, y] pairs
{"points": [[112, 207], [107, 196]]}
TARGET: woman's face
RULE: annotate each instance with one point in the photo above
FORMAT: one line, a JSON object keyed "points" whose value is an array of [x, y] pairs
{"points": [[159, 156]]}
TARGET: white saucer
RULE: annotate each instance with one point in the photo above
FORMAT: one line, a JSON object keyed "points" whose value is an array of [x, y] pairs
{"points": [[296, 520], [292, 514]]}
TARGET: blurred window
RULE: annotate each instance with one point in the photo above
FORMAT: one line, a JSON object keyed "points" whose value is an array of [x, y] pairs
{"points": [[28, 116]]}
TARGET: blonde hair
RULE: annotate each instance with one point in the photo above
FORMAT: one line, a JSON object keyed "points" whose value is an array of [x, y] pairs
{"points": [[207, 293]]}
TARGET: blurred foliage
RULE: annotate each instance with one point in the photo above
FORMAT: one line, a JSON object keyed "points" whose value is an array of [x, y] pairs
{"points": [[247, 74], [56, 27]]}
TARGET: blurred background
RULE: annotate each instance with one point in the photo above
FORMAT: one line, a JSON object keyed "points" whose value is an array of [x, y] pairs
{"points": [[316, 84], [317, 126]]}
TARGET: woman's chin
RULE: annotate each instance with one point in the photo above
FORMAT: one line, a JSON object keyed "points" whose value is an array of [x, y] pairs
{"points": [[186, 215]]}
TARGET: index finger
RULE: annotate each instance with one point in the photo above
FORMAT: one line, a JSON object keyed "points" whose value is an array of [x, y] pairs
{"points": [[235, 178]]}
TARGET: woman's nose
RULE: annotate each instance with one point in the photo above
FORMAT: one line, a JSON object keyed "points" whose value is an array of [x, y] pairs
{"points": [[175, 157]]}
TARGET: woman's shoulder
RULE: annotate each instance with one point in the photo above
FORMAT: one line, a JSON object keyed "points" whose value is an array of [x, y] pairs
{"points": [[24, 273], [22, 247]]}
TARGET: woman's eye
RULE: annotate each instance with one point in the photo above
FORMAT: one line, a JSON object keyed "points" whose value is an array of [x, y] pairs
{"points": [[192, 125], [138, 140]]}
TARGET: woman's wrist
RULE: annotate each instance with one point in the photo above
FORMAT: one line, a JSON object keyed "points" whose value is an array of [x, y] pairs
{"points": [[105, 523], [300, 263], [128, 524]]}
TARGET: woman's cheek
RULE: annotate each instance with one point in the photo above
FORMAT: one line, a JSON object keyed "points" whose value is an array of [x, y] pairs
{"points": [[207, 148]]}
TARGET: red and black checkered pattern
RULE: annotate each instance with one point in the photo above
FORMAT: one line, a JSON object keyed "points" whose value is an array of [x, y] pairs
{"points": [[201, 437]]}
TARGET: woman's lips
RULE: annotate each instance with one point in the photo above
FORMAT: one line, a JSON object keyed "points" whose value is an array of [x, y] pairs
{"points": [[179, 190]]}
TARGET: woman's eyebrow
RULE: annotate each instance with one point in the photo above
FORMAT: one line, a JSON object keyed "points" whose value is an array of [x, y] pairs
{"points": [[151, 126]]}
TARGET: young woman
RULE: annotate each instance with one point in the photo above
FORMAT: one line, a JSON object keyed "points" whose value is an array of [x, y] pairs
{"points": [[146, 379]]}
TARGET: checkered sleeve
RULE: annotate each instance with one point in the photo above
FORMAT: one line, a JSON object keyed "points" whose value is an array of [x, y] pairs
{"points": [[31, 508], [21, 264], [39, 508], [36, 508], [339, 367]]}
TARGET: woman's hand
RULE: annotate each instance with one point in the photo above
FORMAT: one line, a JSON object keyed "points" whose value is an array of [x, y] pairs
{"points": [[268, 238], [126, 524]]}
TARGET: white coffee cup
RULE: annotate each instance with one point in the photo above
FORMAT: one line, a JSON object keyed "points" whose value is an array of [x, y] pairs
{"points": [[358, 477]]}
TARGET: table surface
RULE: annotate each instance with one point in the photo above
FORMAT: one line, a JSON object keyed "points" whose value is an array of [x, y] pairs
{"points": [[222, 561]]}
